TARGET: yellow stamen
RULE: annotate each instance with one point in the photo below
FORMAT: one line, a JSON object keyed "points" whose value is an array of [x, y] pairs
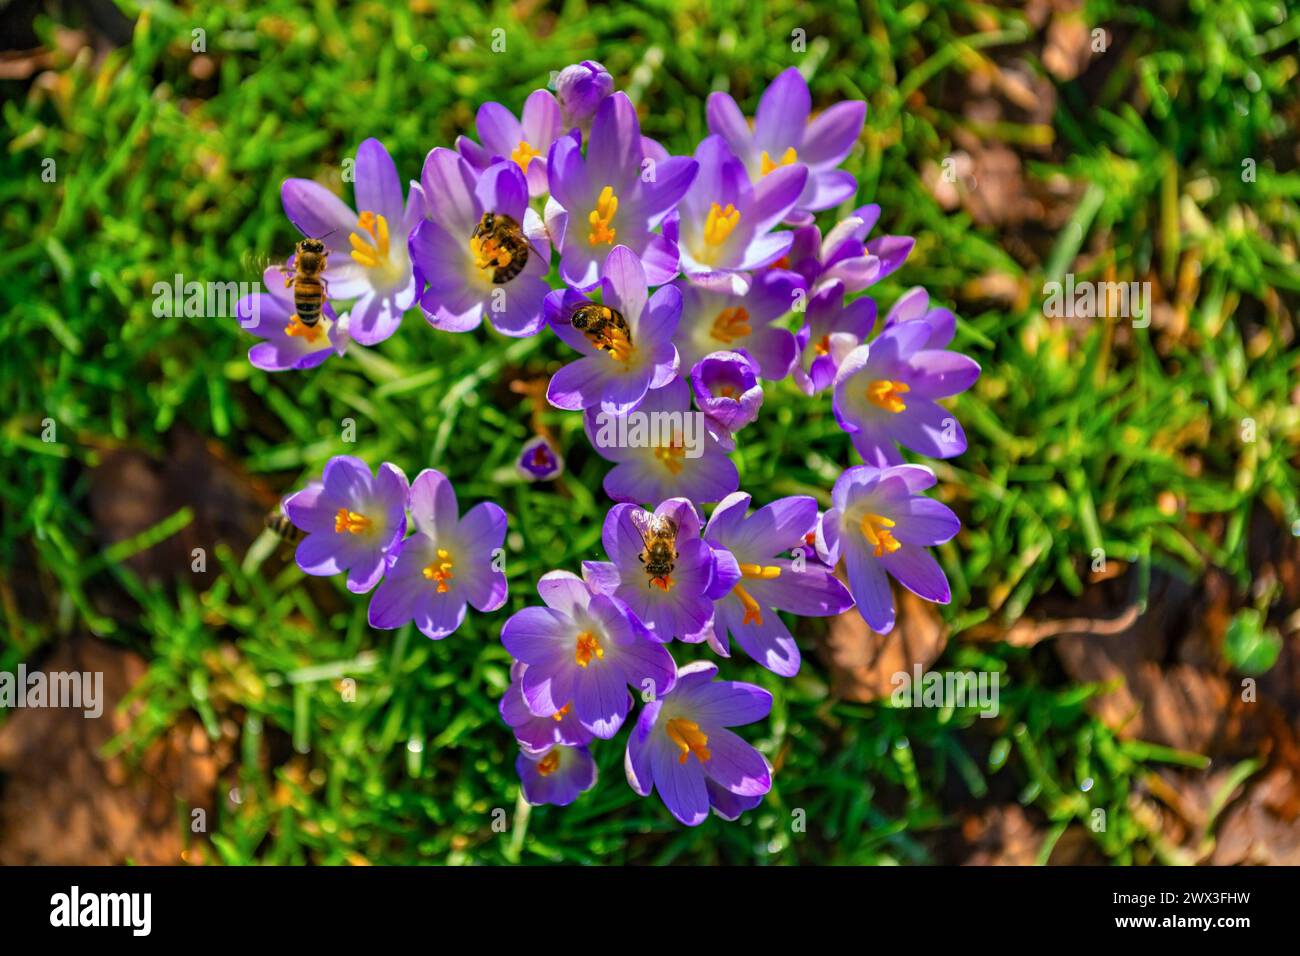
{"points": [[550, 763], [753, 613], [671, 456], [688, 737], [730, 324], [351, 522], [875, 528], [440, 570], [767, 572], [588, 647], [523, 154], [823, 346], [602, 218], [720, 223], [765, 164], [560, 714], [370, 241], [885, 394], [488, 253], [311, 334]]}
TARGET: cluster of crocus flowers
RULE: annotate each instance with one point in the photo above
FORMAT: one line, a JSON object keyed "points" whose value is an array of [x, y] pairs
{"points": [[355, 521], [681, 288], [599, 636]]}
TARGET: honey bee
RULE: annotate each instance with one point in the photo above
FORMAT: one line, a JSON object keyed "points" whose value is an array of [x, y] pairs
{"points": [[659, 556], [501, 242], [307, 281], [284, 529], [604, 327]]}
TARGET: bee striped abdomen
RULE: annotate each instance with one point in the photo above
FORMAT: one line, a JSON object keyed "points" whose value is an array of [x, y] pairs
{"points": [[308, 296], [499, 244], [285, 530]]}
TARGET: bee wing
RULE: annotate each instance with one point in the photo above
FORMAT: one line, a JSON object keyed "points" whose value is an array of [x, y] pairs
{"points": [[644, 522]]}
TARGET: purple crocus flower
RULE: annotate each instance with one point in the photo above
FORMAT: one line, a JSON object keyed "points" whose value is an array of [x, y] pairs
{"points": [[582, 648], [288, 343], [353, 520], [448, 562], [658, 568], [886, 391], [581, 88], [662, 448], [624, 354], [764, 582], [723, 225], [881, 524], [538, 734], [538, 461], [842, 256], [726, 389], [524, 141], [832, 331], [783, 135], [467, 274], [681, 744], [612, 196], [558, 776], [713, 320], [378, 274], [914, 306]]}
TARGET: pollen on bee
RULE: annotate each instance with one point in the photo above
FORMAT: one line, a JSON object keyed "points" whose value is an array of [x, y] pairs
{"points": [[296, 328]]}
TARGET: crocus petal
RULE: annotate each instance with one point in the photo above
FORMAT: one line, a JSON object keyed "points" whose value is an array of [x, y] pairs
{"points": [[782, 112], [377, 185], [625, 283], [724, 703], [433, 504], [942, 373], [735, 765], [726, 120], [448, 182], [870, 587], [636, 759], [680, 786], [769, 643], [917, 570], [892, 252], [831, 135], [827, 188], [484, 525], [924, 521]]}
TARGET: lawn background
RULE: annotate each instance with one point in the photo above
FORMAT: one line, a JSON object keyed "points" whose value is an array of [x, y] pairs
{"points": [[1084, 434]]}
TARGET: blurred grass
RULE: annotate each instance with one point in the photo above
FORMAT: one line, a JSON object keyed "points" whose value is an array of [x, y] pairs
{"points": [[1101, 437]]}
